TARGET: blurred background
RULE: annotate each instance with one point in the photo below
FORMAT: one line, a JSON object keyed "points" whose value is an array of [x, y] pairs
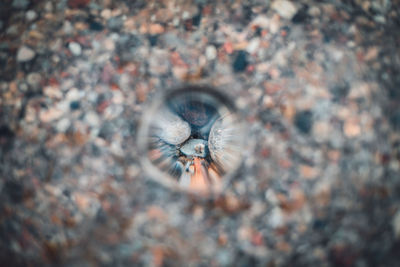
{"points": [[316, 81]]}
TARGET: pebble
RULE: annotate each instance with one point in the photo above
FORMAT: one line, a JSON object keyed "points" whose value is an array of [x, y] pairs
{"points": [[158, 62], [109, 44], [314, 11], [308, 172], [115, 23], [92, 119], [73, 94], [67, 27], [50, 115], [276, 218], [303, 121], [74, 105], [261, 21], [351, 128], [52, 92], [31, 15], [322, 130], [211, 52], [75, 48], [253, 45], [284, 8], [240, 63], [106, 13], [63, 125], [34, 79], [25, 54]]}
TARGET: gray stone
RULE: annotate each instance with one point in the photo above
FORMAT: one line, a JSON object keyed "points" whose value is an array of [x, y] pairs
{"points": [[30, 15], [115, 23], [284, 8], [34, 79], [25, 54]]}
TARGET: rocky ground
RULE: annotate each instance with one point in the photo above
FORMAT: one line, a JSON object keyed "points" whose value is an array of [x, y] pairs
{"points": [[317, 81]]}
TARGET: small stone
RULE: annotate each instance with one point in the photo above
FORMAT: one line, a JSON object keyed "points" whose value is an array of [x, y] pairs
{"points": [[314, 11], [322, 130], [261, 21], [180, 72], [73, 94], [156, 28], [351, 128], [284, 8], [303, 121], [63, 125], [158, 62], [153, 39], [95, 26], [380, 19], [31, 15], [276, 218], [106, 13], [308, 172], [74, 105], [52, 92], [371, 54], [211, 52], [67, 27], [92, 119], [340, 91], [240, 63], [34, 79], [25, 54], [301, 15], [115, 23], [253, 45], [75, 48], [50, 115], [109, 44]]}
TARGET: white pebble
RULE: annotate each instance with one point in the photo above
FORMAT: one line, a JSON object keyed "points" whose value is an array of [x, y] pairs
{"points": [[63, 125], [284, 8], [75, 48], [34, 79], [253, 45], [25, 54], [276, 218], [211, 52], [30, 15], [73, 94], [92, 119]]}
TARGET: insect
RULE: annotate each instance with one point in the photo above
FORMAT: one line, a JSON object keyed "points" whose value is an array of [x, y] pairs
{"points": [[195, 137]]}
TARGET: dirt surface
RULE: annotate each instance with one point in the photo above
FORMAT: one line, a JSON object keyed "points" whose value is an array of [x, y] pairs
{"points": [[317, 82]]}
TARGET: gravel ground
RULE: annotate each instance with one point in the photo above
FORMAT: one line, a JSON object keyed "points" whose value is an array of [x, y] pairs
{"points": [[317, 81]]}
